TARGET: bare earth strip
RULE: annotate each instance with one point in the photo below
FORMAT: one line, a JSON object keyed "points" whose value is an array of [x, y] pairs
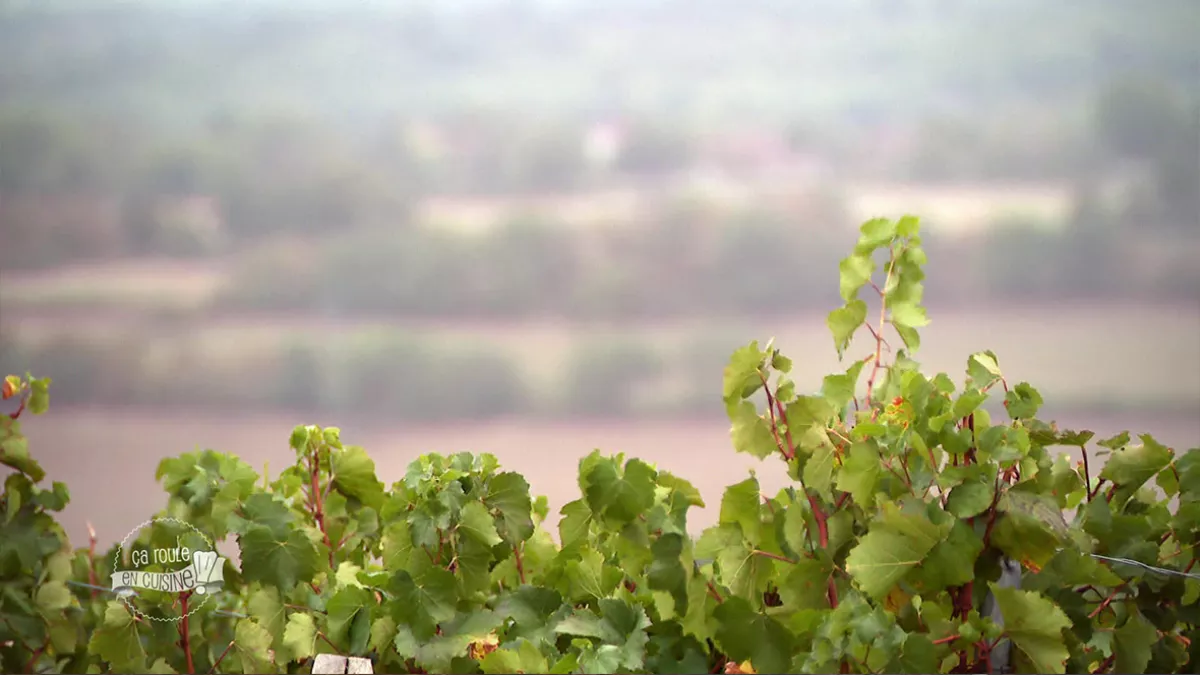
{"points": [[108, 457]]}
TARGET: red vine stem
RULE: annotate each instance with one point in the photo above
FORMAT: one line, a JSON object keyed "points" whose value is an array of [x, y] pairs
{"points": [[330, 643], [184, 630], [875, 365], [520, 564], [92, 558], [819, 515], [1107, 601], [221, 658], [712, 590], [36, 654], [771, 405], [773, 556], [318, 509]]}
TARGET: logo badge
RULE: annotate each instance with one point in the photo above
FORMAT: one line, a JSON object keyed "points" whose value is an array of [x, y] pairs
{"points": [[166, 555]]}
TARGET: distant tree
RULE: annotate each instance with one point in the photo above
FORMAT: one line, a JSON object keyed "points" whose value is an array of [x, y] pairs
{"points": [[1150, 121]]}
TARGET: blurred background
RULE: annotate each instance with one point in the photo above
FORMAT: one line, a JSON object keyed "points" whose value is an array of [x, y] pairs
{"points": [[535, 227]]}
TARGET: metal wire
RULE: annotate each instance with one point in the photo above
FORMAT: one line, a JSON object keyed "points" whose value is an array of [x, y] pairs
{"points": [[1124, 561], [1159, 570]]}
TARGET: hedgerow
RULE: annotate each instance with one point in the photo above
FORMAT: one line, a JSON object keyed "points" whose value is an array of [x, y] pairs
{"points": [[907, 498]]}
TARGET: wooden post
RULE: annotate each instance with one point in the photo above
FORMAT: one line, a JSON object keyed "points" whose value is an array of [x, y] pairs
{"points": [[332, 664]]}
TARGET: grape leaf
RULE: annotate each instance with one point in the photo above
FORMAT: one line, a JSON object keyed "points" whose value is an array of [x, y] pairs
{"points": [[844, 321], [117, 642], [620, 498], [348, 619], [744, 634], [1131, 467], [740, 505], [253, 644], [894, 545], [478, 524], [281, 561], [300, 635], [354, 476], [854, 272], [509, 492], [1132, 643], [860, 474], [1035, 626]]}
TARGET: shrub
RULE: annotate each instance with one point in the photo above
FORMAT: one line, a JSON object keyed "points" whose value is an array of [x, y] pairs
{"points": [[897, 546]]}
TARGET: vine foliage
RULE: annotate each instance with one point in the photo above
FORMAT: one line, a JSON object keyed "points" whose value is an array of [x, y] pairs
{"points": [[907, 496]]}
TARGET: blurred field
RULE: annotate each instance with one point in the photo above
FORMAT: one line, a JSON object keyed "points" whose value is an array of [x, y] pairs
{"points": [[1077, 354], [76, 446], [136, 284]]}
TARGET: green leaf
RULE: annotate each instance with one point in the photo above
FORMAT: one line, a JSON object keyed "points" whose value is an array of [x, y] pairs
{"points": [[1132, 643], [588, 576], [807, 411], [574, 524], [620, 498], [910, 336], [509, 492], [919, 655], [666, 572], [348, 619], [844, 321], [354, 476], [982, 369], [300, 636], [39, 395], [52, 596], [439, 653], [968, 402], [894, 545], [970, 499], [743, 633], [1035, 626], [425, 597], [840, 389], [383, 631], [951, 562], [818, 471], [1022, 401], [908, 314], [478, 524], [854, 273], [751, 433], [1025, 538], [300, 437], [874, 233], [806, 585], [745, 573], [524, 659], [741, 505], [1131, 467], [908, 226], [267, 609], [253, 644], [281, 561], [622, 629], [860, 474], [14, 452], [690, 494], [117, 642], [742, 374]]}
